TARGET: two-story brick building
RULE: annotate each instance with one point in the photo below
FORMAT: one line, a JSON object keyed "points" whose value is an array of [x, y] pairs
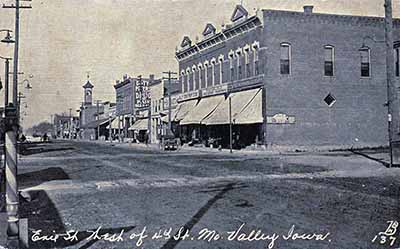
{"points": [[292, 78], [133, 103]]}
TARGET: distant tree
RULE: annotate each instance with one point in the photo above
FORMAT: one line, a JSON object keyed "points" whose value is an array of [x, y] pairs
{"points": [[40, 129]]}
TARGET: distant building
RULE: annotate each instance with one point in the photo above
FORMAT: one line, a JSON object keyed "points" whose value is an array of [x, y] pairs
{"points": [[89, 114], [160, 107], [293, 78], [65, 126], [133, 103]]}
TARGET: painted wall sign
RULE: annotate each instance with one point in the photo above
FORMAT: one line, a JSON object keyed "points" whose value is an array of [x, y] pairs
{"points": [[215, 90], [281, 118], [188, 95]]}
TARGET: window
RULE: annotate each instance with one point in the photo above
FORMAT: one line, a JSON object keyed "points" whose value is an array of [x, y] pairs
{"points": [[329, 60], [221, 68], [183, 80], [255, 48], [285, 58], [200, 69], [206, 63], [213, 61], [239, 64], [246, 61], [397, 61], [330, 100], [188, 79], [232, 69], [365, 62]]}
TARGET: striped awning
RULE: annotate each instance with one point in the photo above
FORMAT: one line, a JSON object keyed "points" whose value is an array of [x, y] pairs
{"points": [[202, 110], [140, 125], [244, 109]]}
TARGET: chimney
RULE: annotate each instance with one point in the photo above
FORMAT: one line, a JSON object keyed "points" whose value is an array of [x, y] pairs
{"points": [[151, 77], [308, 9]]}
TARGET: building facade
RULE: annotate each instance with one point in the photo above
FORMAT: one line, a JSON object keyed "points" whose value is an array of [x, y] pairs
{"points": [[159, 93], [286, 78], [133, 103]]}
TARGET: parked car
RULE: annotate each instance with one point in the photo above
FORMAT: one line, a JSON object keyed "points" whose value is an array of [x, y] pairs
{"points": [[169, 142]]}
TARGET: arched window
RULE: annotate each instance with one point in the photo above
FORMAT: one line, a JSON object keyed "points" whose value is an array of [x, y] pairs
{"points": [[329, 64], [221, 68], [200, 69], [183, 80], [255, 47], [213, 62], [206, 64], [188, 79], [231, 66], [285, 58]]}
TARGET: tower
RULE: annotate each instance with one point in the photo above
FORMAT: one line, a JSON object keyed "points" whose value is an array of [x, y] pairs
{"points": [[87, 93]]}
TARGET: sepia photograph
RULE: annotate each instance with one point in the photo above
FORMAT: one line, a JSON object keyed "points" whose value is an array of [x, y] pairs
{"points": [[208, 124]]}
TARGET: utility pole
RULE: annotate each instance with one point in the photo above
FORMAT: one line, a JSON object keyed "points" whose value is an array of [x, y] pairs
{"points": [[169, 73], [230, 125], [3, 168], [392, 104], [98, 118], [70, 124], [13, 231], [6, 81]]}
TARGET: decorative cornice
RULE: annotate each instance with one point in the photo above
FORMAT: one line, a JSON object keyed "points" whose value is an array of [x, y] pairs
{"points": [[225, 34], [322, 18]]}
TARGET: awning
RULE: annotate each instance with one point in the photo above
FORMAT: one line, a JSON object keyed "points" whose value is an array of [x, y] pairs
{"points": [[202, 110], [140, 125], [252, 112], [114, 124], [174, 112], [239, 103], [94, 124], [184, 108]]}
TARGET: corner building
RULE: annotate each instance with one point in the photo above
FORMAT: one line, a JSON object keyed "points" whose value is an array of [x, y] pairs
{"points": [[293, 78]]}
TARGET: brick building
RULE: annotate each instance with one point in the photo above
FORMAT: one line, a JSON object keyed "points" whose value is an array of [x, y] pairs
{"points": [[293, 78], [133, 103], [159, 91]]}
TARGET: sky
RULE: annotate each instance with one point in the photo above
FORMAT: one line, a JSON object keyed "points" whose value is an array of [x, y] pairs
{"points": [[62, 40]]}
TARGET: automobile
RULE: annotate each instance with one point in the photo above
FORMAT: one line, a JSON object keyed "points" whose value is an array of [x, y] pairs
{"points": [[169, 142]]}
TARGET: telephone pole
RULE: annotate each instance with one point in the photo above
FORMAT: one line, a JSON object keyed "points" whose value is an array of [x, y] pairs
{"points": [[98, 118], [13, 231], [70, 124], [169, 73], [392, 104]]}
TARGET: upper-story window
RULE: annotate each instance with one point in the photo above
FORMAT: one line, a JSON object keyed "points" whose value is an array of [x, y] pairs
{"points": [[200, 69], [188, 79], [194, 77], [397, 61], [285, 58], [221, 68], [206, 64], [365, 54], [247, 61], [255, 47], [183, 80], [239, 64], [213, 62], [329, 60], [231, 66]]}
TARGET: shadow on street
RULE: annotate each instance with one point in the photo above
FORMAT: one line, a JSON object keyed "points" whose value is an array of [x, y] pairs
{"points": [[221, 191], [35, 178], [27, 149], [43, 215]]}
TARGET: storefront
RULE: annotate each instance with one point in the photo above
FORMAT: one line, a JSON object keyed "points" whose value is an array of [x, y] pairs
{"points": [[208, 121]]}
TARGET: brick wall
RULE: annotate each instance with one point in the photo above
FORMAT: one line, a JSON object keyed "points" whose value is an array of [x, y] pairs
{"points": [[358, 117]]}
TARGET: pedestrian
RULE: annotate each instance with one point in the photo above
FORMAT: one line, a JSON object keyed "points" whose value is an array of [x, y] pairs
{"points": [[146, 138]]}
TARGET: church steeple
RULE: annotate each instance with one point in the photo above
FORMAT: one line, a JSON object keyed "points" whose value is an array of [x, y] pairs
{"points": [[87, 92]]}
